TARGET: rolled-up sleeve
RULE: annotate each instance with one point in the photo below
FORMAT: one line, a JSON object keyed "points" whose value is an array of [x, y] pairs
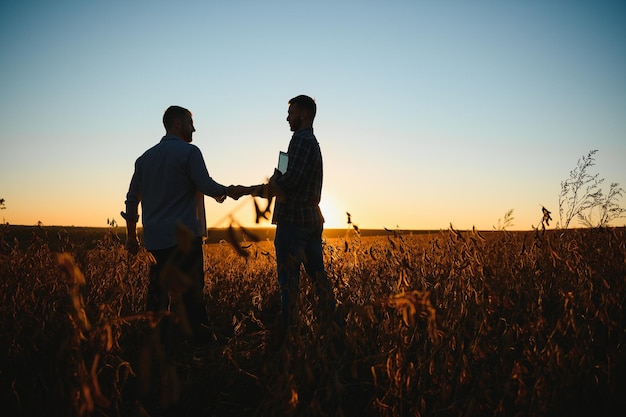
{"points": [[133, 197]]}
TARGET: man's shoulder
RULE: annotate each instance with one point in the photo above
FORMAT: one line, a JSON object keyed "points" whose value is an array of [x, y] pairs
{"points": [[304, 133], [304, 138], [172, 146], [164, 151]]}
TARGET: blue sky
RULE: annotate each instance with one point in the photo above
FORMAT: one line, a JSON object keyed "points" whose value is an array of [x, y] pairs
{"points": [[429, 113]]}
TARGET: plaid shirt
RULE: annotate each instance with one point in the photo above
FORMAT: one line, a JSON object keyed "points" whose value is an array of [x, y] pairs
{"points": [[301, 183]]}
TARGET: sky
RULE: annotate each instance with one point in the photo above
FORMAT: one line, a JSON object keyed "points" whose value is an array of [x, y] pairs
{"points": [[429, 113]]}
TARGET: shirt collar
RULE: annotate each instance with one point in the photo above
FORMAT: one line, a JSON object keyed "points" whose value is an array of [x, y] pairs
{"points": [[170, 137]]}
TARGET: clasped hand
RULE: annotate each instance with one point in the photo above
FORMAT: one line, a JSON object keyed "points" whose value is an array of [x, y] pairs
{"points": [[237, 191]]}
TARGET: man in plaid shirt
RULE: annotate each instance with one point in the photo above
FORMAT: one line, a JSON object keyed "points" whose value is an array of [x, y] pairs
{"points": [[299, 221]]}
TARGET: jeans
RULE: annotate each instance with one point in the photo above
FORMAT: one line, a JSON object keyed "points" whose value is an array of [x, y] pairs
{"points": [[297, 245]]}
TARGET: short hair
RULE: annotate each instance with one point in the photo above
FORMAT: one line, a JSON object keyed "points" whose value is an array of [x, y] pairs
{"points": [[306, 103], [172, 114]]}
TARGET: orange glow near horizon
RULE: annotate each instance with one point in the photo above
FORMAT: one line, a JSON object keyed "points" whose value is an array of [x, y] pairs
{"points": [[334, 216]]}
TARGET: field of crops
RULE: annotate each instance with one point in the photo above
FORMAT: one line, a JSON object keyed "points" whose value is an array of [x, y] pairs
{"points": [[456, 323]]}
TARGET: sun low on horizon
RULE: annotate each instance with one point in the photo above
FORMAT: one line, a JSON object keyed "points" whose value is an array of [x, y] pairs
{"points": [[243, 213], [335, 216]]}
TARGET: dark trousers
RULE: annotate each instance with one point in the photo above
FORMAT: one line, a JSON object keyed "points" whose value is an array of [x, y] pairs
{"points": [[177, 270], [296, 246]]}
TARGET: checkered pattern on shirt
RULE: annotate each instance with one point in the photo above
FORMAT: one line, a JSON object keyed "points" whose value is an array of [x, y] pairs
{"points": [[301, 183]]}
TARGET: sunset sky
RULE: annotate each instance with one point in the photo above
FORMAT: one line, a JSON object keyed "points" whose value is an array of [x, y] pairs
{"points": [[429, 113]]}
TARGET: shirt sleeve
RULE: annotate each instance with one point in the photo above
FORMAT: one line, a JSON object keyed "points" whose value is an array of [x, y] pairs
{"points": [[133, 197], [200, 175]]}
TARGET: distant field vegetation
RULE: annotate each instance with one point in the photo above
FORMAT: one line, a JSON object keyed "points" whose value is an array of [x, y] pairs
{"points": [[448, 323], [58, 236]]}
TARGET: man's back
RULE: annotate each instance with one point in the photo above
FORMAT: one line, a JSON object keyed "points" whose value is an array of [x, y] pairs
{"points": [[171, 180], [167, 193]]}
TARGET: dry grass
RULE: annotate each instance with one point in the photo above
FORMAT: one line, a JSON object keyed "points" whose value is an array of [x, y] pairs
{"points": [[449, 324]]}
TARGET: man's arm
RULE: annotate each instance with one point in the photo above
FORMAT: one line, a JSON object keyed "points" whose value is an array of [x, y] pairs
{"points": [[132, 244], [301, 154], [200, 177], [132, 211]]}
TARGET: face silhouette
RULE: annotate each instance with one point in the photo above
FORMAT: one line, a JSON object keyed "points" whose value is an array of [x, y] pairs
{"points": [[186, 128], [295, 117]]}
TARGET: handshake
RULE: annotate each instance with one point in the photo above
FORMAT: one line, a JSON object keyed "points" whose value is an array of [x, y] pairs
{"points": [[267, 191], [262, 190]]}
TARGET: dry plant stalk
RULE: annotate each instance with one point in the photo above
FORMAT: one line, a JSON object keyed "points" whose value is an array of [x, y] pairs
{"points": [[450, 323]]}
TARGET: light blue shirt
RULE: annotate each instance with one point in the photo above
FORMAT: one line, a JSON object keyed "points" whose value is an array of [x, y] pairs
{"points": [[170, 181]]}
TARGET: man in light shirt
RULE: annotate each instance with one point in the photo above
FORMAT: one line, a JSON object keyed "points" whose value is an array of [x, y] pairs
{"points": [[170, 181]]}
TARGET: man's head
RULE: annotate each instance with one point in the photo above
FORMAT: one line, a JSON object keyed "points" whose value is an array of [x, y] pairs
{"points": [[178, 121], [301, 112]]}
